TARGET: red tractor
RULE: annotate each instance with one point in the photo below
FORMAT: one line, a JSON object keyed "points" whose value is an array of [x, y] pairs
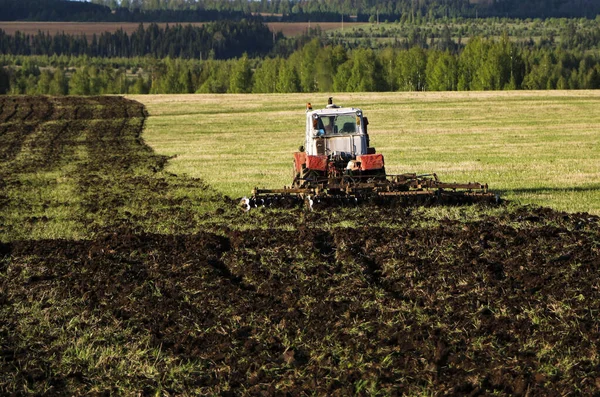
{"points": [[337, 165]]}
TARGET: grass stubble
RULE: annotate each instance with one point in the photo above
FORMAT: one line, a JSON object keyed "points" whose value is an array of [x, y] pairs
{"points": [[531, 147]]}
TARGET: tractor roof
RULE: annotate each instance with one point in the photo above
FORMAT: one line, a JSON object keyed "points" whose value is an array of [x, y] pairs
{"points": [[334, 111]]}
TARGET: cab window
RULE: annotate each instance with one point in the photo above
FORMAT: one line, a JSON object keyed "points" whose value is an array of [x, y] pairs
{"points": [[345, 124]]}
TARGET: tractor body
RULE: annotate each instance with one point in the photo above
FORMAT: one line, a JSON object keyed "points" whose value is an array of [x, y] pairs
{"points": [[336, 165]]}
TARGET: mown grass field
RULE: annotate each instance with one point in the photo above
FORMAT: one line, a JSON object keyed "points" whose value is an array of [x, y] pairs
{"points": [[531, 147]]}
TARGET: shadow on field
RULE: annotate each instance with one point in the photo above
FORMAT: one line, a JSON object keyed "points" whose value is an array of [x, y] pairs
{"points": [[551, 190]]}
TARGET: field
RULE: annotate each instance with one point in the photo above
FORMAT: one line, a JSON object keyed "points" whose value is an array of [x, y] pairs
{"points": [[531, 147], [118, 276], [289, 29]]}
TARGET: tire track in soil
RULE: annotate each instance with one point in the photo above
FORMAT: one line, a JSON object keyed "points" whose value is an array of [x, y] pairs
{"points": [[271, 263], [30, 147]]}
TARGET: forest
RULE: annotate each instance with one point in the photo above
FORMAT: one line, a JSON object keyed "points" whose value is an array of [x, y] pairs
{"points": [[483, 64], [288, 10], [220, 40], [245, 56]]}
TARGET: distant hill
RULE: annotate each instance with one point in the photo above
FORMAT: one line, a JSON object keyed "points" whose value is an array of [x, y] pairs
{"points": [[282, 10], [81, 11], [52, 10]]}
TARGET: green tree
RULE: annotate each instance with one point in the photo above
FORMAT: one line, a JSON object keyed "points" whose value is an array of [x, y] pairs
{"points": [[366, 72], [59, 84], [28, 84], [99, 79], [592, 81], [186, 80], [217, 77], [114, 82], [340, 81], [80, 82], [266, 75], [574, 80], [324, 70], [442, 71], [495, 70], [167, 78], [338, 57], [288, 80], [43, 85], [539, 77], [240, 81], [562, 83], [469, 63], [310, 51], [140, 86], [411, 67], [387, 59]]}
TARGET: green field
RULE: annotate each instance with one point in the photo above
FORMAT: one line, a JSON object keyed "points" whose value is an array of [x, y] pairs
{"points": [[530, 147]]}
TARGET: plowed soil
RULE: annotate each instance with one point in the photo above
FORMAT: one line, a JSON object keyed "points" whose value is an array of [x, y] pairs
{"points": [[279, 302]]}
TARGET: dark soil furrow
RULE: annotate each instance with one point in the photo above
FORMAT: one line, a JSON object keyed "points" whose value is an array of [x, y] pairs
{"points": [[52, 146], [107, 184], [9, 110], [13, 112], [14, 133], [29, 112], [42, 109], [11, 141]]}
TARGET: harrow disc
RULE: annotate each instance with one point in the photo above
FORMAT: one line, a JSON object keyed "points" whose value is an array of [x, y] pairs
{"points": [[392, 190]]}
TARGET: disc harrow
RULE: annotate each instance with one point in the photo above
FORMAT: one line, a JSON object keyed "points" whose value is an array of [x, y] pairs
{"points": [[401, 190]]}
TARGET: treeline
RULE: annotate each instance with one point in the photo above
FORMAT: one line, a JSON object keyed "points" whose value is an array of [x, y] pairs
{"points": [[288, 10], [81, 11], [574, 34], [483, 65], [219, 40], [389, 9], [231, 39], [542, 8]]}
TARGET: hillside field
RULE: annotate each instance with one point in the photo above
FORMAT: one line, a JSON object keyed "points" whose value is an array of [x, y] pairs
{"points": [[127, 272], [289, 29], [530, 147]]}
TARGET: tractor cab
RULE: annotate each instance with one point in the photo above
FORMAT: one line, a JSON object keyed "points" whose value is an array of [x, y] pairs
{"points": [[336, 145], [336, 132]]}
